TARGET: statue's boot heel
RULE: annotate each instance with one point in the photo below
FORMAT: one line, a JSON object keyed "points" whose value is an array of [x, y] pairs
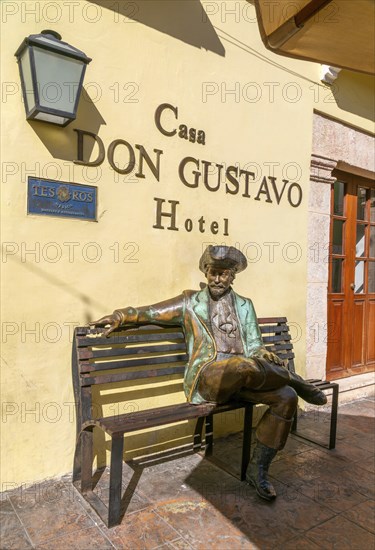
{"points": [[257, 472]]}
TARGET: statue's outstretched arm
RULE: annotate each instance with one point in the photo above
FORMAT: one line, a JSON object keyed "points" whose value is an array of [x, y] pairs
{"points": [[166, 312]]}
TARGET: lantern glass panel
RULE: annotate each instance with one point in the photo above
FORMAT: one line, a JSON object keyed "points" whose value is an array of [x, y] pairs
{"points": [[55, 119], [58, 79], [54, 44], [27, 79]]}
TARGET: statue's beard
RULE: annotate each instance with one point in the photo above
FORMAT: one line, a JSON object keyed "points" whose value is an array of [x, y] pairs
{"points": [[217, 291]]}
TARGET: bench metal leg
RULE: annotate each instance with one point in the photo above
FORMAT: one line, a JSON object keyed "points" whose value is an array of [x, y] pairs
{"points": [[334, 410], [197, 442], [246, 443], [333, 423], [115, 481], [209, 424], [294, 424], [77, 460], [86, 453]]}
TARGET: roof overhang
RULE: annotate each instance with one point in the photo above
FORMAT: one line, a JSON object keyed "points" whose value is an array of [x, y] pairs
{"points": [[340, 33]]}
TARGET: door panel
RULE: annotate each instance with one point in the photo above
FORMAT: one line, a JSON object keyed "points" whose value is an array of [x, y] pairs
{"points": [[351, 285], [358, 333], [334, 335], [370, 347]]}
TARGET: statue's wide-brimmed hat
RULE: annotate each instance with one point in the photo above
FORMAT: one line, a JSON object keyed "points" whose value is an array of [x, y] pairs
{"points": [[224, 257]]}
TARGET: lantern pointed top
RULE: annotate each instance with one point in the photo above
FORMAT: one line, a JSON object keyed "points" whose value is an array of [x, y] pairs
{"points": [[51, 40]]}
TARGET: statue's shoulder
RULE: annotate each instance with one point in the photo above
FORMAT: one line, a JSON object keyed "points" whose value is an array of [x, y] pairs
{"points": [[242, 299], [190, 293]]}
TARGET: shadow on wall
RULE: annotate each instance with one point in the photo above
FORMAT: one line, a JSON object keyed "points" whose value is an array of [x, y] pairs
{"points": [[185, 20], [354, 92], [62, 142], [83, 299]]}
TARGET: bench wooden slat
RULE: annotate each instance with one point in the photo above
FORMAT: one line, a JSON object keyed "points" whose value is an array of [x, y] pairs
{"points": [[141, 362], [285, 355], [281, 353], [159, 416], [323, 384], [90, 380], [276, 338], [273, 329], [280, 347], [89, 353], [118, 338], [130, 328], [271, 320]]}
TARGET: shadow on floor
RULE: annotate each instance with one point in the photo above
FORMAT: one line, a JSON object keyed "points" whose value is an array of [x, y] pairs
{"points": [[325, 499]]}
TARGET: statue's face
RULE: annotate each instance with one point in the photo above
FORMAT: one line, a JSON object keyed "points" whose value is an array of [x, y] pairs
{"points": [[219, 280]]}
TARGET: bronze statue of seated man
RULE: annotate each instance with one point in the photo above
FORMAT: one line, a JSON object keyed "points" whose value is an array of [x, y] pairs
{"points": [[227, 358]]}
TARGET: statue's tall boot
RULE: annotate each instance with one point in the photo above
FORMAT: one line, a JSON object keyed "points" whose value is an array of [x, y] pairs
{"points": [[272, 434], [307, 391], [257, 471], [275, 376]]}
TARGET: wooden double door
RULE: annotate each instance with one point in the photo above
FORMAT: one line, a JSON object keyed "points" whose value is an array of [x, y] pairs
{"points": [[351, 285]]}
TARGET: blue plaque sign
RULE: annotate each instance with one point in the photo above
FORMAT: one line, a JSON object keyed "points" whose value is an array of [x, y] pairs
{"points": [[58, 198]]}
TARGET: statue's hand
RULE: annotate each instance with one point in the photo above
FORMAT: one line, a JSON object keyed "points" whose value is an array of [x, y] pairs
{"points": [[112, 320], [273, 358]]}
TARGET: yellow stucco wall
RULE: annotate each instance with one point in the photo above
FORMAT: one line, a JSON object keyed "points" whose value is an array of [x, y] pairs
{"points": [[256, 110]]}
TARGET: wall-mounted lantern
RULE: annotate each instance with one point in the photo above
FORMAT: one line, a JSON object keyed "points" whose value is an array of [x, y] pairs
{"points": [[52, 75]]}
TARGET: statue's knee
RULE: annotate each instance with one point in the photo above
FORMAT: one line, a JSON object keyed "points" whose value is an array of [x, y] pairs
{"points": [[243, 365], [289, 399], [248, 372]]}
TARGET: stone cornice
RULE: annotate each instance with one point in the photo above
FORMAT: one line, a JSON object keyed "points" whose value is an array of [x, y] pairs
{"points": [[322, 168]]}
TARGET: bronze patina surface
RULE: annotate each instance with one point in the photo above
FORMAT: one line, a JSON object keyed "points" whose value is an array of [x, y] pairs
{"points": [[227, 358]]}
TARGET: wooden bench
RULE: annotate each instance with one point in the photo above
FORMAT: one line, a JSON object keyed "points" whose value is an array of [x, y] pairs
{"points": [[152, 354]]}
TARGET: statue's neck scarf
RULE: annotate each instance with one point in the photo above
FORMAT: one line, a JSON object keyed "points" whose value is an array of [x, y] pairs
{"points": [[223, 315]]}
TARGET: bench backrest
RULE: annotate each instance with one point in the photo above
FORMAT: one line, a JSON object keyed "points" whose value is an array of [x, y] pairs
{"points": [[143, 352], [277, 338], [147, 352]]}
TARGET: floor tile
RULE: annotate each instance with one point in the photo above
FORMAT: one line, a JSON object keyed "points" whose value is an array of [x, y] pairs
{"points": [[83, 539], [202, 526], [142, 530], [49, 510], [179, 544], [363, 480], [339, 493], [363, 409], [363, 515], [291, 513], [13, 534], [306, 467], [357, 440], [368, 464], [347, 451], [132, 501], [359, 423], [342, 534], [359, 408], [165, 481], [257, 519], [299, 543], [294, 446]]}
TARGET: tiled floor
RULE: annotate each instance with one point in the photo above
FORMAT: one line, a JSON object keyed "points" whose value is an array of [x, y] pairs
{"points": [[325, 500]]}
